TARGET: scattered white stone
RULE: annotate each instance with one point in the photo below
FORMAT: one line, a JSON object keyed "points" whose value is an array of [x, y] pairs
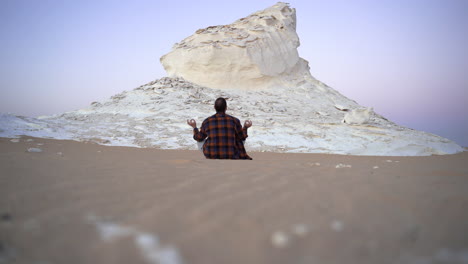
{"points": [[147, 243], [154, 253], [341, 165], [389, 161], [341, 108], [15, 140], [110, 231], [375, 167], [40, 144], [280, 239], [300, 230], [60, 154], [30, 140], [34, 150], [336, 225]]}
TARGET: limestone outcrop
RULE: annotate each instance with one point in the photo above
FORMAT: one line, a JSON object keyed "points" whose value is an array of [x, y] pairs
{"points": [[255, 52]]}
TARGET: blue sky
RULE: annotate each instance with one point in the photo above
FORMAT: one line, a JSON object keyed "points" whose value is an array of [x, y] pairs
{"points": [[407, 59]]}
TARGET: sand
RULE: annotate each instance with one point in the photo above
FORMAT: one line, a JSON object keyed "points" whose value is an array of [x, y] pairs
{"points": [[76, 202]]}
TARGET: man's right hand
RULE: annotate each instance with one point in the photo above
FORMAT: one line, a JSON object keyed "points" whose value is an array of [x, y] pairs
{"points": [[247, 123], [192, 123]]}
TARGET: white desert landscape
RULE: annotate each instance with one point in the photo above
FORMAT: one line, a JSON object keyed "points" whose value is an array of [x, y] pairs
{"points": [[254, 63], [331, 181]]}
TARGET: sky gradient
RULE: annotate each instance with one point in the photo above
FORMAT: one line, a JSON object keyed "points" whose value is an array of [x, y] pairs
{"points": [[407, 59]]}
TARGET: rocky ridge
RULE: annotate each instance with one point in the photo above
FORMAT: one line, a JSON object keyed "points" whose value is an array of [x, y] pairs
{"points": [[305, 119]]}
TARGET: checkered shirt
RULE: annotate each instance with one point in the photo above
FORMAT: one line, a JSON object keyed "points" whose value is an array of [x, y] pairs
{"points": [[224, 137]]}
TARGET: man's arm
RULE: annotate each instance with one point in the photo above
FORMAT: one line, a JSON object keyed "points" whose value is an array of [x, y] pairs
{"points": [[197, 135], [247, 124], [242, 131]]}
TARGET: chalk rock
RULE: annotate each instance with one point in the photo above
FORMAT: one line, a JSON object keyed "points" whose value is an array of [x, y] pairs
{"points": [[280, 239], [341, 165], [34, 150], [358, 116], [255, 52]]}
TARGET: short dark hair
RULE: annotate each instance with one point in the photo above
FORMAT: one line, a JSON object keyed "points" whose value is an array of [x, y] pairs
{"points": [[220, 105]]}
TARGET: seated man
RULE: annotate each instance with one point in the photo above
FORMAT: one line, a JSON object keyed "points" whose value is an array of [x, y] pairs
{"points": [[223, 133]]}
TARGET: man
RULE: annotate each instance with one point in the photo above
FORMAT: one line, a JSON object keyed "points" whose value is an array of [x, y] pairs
{"points": [[223, 133]]}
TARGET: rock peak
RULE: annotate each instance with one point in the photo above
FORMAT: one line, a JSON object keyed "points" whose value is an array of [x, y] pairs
{"points": [[255, 52]]}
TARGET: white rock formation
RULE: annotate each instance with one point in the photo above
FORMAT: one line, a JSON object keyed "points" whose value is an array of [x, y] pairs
{"points": [[255, 52], [254, 63], [358, 116]]}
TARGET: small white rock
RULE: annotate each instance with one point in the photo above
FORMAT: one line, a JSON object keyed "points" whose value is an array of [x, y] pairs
{"points": [[40, 144], [375, 167], [336, 225], [36, 150], [60, 153], [388, 160], [30, 140], [280, 239], [300, 230], [15, 140], [339, 166]]}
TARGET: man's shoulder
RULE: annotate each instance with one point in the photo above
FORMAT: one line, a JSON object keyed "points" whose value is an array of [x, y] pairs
{"points": [[233, 117], [210, 118], [215, 117]]}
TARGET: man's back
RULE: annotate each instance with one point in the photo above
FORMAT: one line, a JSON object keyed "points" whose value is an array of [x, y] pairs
{"points": [[224, 137]]}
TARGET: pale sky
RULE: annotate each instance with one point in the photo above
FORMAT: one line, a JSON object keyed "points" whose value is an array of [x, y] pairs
{"points": [[406, 58]]}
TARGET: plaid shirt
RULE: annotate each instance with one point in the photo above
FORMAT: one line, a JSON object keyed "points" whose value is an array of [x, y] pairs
{"points": [[225, 137]]}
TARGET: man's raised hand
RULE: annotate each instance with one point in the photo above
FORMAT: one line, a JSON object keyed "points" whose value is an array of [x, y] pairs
{"points": [[192, 123], [247, 123]]}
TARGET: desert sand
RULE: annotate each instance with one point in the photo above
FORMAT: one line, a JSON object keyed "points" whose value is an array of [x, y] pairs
{"points": [[78, 202]]}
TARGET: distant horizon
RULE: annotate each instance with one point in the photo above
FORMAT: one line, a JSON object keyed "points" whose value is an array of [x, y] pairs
{"points": [[406, 60]]}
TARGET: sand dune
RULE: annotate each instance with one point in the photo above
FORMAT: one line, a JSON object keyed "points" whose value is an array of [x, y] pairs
{"points": [[77, 202]]}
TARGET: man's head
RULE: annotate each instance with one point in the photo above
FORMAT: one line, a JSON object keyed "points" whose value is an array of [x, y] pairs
{"points": [[220, 105]]}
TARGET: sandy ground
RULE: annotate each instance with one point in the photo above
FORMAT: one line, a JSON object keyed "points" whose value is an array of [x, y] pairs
{"points": [[86, 203]]}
